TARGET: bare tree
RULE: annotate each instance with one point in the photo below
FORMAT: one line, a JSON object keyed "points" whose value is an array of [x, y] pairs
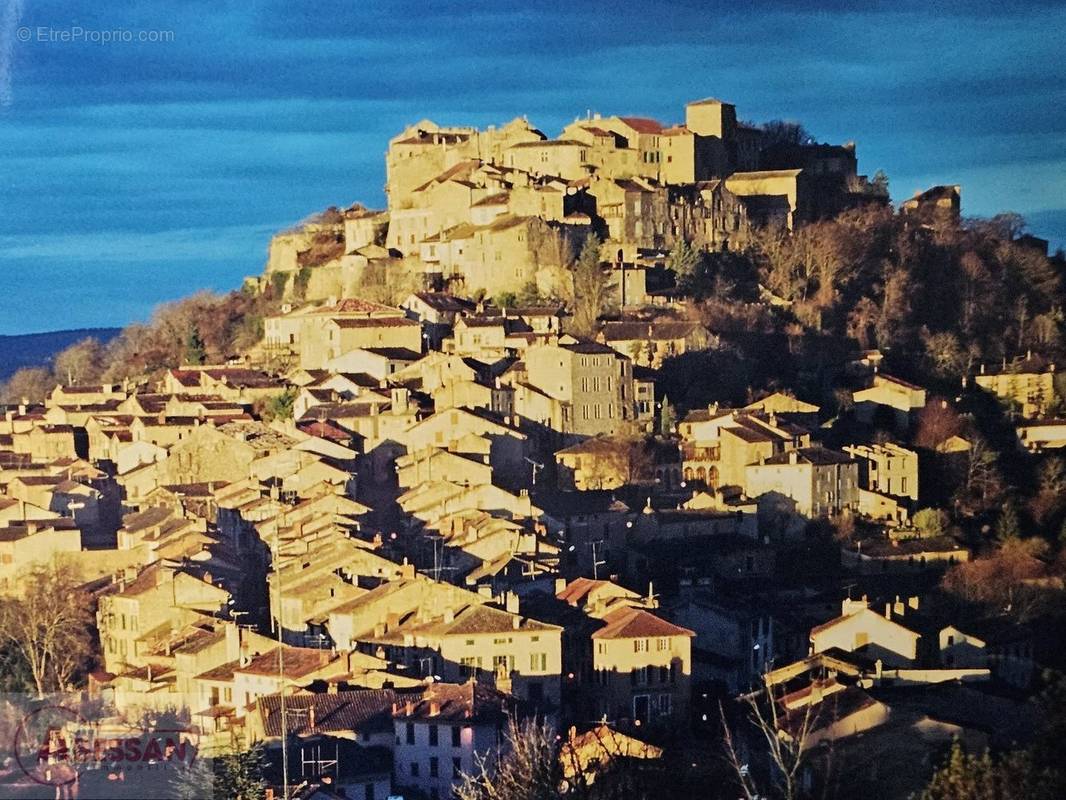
{"points": [[29, 383], [591, 288], [48, 626], [526, 768], [81, 362], [983, 482], [787, 745]]}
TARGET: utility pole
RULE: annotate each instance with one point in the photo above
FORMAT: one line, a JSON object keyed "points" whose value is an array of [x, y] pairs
{"points": [[281, 649], [535, 466], [595, 561]]}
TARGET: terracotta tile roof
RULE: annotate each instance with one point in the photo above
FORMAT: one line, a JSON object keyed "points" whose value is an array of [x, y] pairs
{"points": [[817, 456], [464, 703], [590, 348], [186, 377], [882, 377], [355, 305], [441, 301], [394, 353], [634, 623], [625, 331], [361, 710], [374, 322], [297, 661], [578, 589], [643, 124], [498, 199], [323, 429]]}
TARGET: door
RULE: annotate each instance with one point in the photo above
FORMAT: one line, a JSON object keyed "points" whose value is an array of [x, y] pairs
{"points": [[641, 708]]}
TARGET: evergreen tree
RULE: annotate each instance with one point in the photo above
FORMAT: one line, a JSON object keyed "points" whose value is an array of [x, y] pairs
{"points": [[684, 259], [963, 776], [667, 418], [195, 353], [1008, 526]]}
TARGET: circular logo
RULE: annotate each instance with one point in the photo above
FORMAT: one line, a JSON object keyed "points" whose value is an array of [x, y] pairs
{"points": [[49, 746]]}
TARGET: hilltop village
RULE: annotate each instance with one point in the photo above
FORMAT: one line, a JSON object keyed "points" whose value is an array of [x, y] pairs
{"points": [[543, 440]]}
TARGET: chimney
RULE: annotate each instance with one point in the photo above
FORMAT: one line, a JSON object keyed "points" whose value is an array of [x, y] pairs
{"points": [[311, 716], [888, 611], [516, 622], [982, 369], [560, 586], [511, 603], [434, 708], [400, 399], [912, 603], [793, 457], [898, 608], [233, 641], [449, 616], [409, 708]]}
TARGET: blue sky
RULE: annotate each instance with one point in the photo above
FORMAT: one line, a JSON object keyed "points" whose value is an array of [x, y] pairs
{"points": [[137, 172]]}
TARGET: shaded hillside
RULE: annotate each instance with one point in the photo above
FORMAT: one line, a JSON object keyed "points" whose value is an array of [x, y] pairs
{"points": [[35, 349]]}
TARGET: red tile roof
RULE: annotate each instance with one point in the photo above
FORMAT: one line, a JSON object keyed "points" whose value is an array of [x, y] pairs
{"points": [[578, 589], [643, 124], [635, 623]]}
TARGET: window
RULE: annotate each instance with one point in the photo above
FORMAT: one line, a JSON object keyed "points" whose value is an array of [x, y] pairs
{"points": [[433, 768], [368, 791], [457, 738], [470, 665], [662, 644], [502, 663], [640, 645], [411, 734], [457, 765], [433, 738], [538, 662], [414, 769], [664, 704]]}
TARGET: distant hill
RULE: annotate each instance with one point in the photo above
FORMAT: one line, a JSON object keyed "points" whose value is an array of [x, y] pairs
{"points": [[37, 349]]}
